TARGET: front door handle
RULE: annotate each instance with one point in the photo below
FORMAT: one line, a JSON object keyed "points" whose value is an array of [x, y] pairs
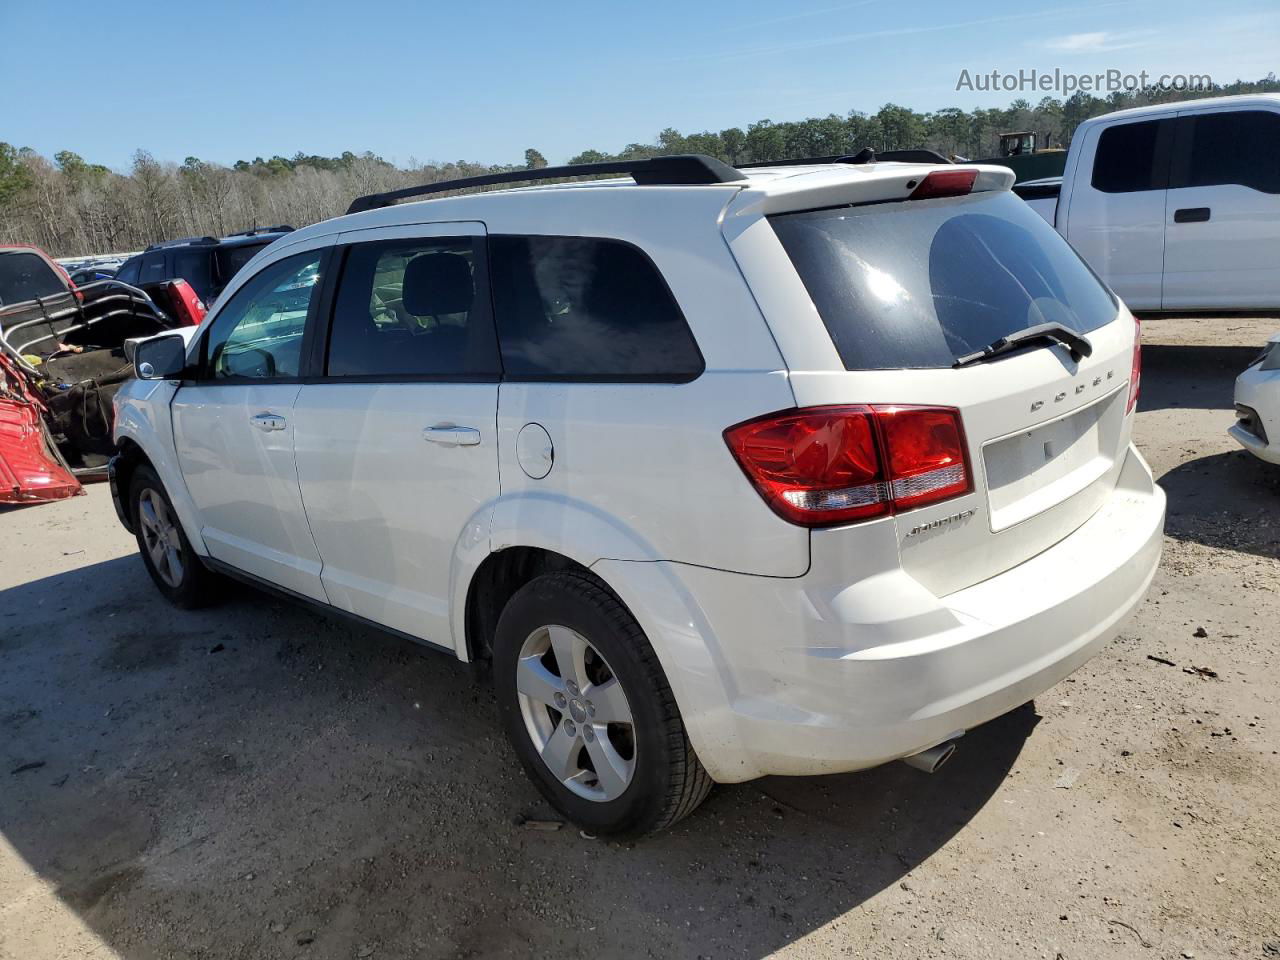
{"points": [[452, 436], [268, 422], [1191, 215]]}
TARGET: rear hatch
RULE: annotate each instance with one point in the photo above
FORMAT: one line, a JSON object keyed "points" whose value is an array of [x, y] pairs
{"points": [[905, 288]]}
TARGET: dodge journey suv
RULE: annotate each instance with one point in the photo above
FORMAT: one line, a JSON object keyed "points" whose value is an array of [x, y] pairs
{"points": [[726, 473]]}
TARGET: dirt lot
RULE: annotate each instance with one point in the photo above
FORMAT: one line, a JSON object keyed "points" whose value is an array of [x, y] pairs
{"points": [[258, 781]]}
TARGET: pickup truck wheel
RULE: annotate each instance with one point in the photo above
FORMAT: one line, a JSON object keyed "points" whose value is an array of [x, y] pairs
{"points": [[176, 569], [588, 709]]}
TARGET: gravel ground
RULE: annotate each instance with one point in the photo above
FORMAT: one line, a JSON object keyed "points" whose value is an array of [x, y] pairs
{"points": [[259, 781]]}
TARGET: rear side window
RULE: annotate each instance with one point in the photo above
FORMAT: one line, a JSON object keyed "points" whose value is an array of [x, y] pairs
{"points": [[576, 308], [1132, 157], [130, 271], [153, 270], [25, 276], [194, 266], [1236, 147], [921, 283], [409, 308]]}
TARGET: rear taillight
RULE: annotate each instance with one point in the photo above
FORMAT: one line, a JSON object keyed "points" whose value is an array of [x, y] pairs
{"points": [[1135, 371], [945, 183], [821, 466]]}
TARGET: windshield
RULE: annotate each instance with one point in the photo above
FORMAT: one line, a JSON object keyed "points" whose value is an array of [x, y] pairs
{"points": [[920, 284]]}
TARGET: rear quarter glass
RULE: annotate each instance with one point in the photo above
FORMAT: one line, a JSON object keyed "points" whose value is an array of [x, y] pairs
{"points": [[917, 284]]}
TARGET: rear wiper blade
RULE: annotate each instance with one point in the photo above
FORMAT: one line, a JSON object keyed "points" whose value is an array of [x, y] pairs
{"points": [[1074, 341]]}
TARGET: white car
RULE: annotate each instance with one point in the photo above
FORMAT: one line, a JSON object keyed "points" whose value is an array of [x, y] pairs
{"points": [[1257, 426], [1175, 205], [789, 471]]}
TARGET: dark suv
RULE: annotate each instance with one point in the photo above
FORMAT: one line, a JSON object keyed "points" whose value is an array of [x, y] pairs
{"points": [[206, 263]]}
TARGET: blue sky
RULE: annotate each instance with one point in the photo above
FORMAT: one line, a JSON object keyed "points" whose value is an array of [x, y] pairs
{"points": [[233, 80]]}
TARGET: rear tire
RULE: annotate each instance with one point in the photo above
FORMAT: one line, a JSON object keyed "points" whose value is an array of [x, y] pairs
{"points": [[607, 723], [175, 568]]}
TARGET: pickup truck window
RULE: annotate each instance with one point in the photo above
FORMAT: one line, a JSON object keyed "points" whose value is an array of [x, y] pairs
{"points": [[1133, 156], [919, 284], [408, 308], [1233, 147], [25, 276]]}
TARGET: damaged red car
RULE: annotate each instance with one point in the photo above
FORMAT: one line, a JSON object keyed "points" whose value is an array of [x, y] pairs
{"points": [[64, 351]]}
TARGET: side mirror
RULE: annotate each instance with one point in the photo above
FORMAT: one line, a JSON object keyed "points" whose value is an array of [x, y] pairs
{"points": [[160, 358]]}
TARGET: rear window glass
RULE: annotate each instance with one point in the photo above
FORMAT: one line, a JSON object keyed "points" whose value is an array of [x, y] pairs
{"points": [[193, 266], [232, 259], [575, 308], [920, 284], [25, 276]]}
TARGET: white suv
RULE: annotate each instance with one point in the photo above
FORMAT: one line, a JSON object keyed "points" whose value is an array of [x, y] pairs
{"points": [[789, 471]]}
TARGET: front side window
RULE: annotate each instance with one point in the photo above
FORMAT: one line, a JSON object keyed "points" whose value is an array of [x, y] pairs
{"points": [[1235, 147], [25, 276], [258, 334], [1133, 157], [575, 308], [409, 308]]}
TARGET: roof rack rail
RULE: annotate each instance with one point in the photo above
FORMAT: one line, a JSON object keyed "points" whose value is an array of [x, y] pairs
{"points": [[254, 231], [865, 155], [680, 169], [181, 241]]}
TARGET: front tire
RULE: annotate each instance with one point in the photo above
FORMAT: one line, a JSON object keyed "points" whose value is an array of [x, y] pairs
{"points": [[175, 568], [588, 709]]}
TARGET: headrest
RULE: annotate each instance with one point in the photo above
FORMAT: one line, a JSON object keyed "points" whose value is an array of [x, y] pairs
{"points": [[436, 283]]}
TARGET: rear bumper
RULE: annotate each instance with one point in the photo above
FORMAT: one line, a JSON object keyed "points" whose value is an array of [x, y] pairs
{"points": [[818, 677]]}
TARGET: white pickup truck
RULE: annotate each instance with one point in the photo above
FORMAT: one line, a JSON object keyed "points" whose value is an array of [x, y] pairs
{"points": [[1176, 206]]}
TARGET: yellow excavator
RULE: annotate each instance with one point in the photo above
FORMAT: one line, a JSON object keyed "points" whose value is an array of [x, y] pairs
{"points": [[1029, 155]]}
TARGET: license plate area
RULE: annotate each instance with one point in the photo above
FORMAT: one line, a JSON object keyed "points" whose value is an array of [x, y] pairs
{"points": [[1037, 468]]}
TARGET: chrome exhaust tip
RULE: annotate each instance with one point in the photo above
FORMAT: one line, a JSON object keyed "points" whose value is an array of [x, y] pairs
{"points": [[930, 760]]}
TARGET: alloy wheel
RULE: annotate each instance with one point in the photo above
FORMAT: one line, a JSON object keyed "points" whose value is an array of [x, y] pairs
{"points": [[576, 713], [160, 537]]}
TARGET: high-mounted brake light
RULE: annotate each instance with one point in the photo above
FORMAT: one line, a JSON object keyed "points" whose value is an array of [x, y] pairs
{"points": [[821, 466], [1135, 371], [944, 183]]}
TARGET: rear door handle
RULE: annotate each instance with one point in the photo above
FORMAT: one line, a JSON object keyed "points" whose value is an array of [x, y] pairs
{"points": [[452, 436], [268, 422], [1191, 215]]}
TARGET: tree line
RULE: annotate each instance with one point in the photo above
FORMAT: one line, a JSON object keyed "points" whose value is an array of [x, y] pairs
{"points": [[70, 206]]}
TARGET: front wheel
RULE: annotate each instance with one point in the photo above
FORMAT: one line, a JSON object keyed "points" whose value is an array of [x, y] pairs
{"points": [[589, 711], [175, 568]]}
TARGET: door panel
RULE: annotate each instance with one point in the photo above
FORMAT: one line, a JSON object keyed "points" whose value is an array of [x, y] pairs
{"points": [[387, 505], [396, 446], [1222, 227], [244, 483], [234, 432], [1117, 209]]}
